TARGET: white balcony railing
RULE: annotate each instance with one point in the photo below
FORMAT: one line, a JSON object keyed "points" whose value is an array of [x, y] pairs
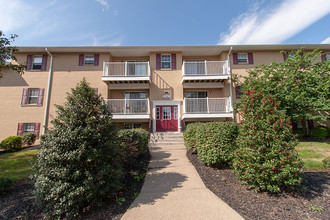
{"points": [[191, 68], [129, 106], [129, 69], [206, 105]]}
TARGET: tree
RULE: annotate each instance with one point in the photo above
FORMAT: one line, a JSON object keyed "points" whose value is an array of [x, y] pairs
{"points": [[79, 163], [266, 159], [300, 84], [7, 52]]}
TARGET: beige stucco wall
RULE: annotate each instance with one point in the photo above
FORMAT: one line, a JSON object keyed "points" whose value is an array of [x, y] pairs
{"points": [[11, 112]]}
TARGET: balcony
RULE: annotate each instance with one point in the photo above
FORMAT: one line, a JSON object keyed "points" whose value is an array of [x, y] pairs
{"points": [[194, 108], [204, 74], [129, 108], [123, 74]]}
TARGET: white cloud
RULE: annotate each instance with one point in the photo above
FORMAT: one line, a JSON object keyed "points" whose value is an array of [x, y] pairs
{"points": [[105, 4], [275, 25], [107, 41], [15, 14], [326, 41]]}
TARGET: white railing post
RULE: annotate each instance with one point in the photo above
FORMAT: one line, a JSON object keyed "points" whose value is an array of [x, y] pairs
{"points": [[205, 67], [125, 68], [207, 103], [125, 107], [148, 68], [184, 105], [183, 64], [103, 68], [148, 106]]}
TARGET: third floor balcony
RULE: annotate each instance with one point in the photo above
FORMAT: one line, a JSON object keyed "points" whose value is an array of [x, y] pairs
{"points": [[128, 72], [197, 72]]}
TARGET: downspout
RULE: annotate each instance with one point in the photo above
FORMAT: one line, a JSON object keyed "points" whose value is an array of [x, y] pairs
{"points": [[50, 82], [230, 82]]}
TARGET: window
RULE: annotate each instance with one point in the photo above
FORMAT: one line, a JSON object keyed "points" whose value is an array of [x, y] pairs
{"points": [[89, 59], [196, 94], [37, 62], [135, 95], [327, 56], [166, 61], [28, 128], [136, 68], [166, 113], [132, 125], [175, 113], [195, 67], [33, 96], [242, 58], [157, 113]]}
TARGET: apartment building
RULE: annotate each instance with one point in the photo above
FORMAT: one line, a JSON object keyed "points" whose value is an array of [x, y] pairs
{"points": [[159, 88]]}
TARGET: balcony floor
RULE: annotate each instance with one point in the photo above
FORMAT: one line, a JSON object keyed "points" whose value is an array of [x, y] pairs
{"points": [[194, 116]]}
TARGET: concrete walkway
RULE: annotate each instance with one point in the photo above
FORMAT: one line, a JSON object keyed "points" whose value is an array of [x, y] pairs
{"points": [[174, 190]]}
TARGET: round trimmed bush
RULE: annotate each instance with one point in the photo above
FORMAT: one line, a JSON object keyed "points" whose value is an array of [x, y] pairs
{"points": [[319, 133], [216, 142], [12, 143], [29, 138]]}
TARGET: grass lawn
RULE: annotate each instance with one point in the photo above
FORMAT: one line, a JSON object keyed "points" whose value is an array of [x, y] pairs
{"points": [[16, 166], [312, 153]]}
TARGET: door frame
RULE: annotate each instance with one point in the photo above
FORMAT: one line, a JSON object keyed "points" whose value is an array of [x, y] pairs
{"points": [[162, 102]]}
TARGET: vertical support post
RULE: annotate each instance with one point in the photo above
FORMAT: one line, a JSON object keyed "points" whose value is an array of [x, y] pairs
{"points": [[207, 102], [125, 108], [184, 105], [125, 68], [205, 63]]}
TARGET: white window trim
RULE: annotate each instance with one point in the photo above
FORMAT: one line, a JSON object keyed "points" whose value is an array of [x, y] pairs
{"points": [[33, 63], [89, 55], [28, 97], [25, 130], [161, 61], [247, 58]]}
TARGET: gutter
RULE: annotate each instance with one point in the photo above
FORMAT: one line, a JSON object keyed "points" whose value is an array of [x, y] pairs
{"points": [[230, 82], [50, 82]]}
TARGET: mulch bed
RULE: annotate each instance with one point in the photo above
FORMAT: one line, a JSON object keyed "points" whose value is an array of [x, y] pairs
{"points": [[19, 202], [251, 205]]}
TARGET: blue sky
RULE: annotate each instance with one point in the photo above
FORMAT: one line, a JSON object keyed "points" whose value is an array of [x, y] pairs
{"points": [[159, 22]]}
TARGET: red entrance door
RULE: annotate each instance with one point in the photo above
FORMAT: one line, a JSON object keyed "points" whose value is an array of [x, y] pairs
{"points": [[166, 118]]}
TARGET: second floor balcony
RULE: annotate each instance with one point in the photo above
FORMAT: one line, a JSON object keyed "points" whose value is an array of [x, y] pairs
{"points": [[207, 108], [128, 72], [129, 108], [211, 72]]}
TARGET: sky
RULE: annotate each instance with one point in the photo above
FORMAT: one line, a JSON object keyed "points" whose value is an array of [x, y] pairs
{"points": [[159, 22]]}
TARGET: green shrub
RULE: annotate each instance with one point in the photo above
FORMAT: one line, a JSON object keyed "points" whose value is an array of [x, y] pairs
{"points": [[12, 143], [319, 133], [266, 158], [29, 138], [326, 162], [79, 163], [191, 134], [133, 142], [5, 184], [217, 142]]}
